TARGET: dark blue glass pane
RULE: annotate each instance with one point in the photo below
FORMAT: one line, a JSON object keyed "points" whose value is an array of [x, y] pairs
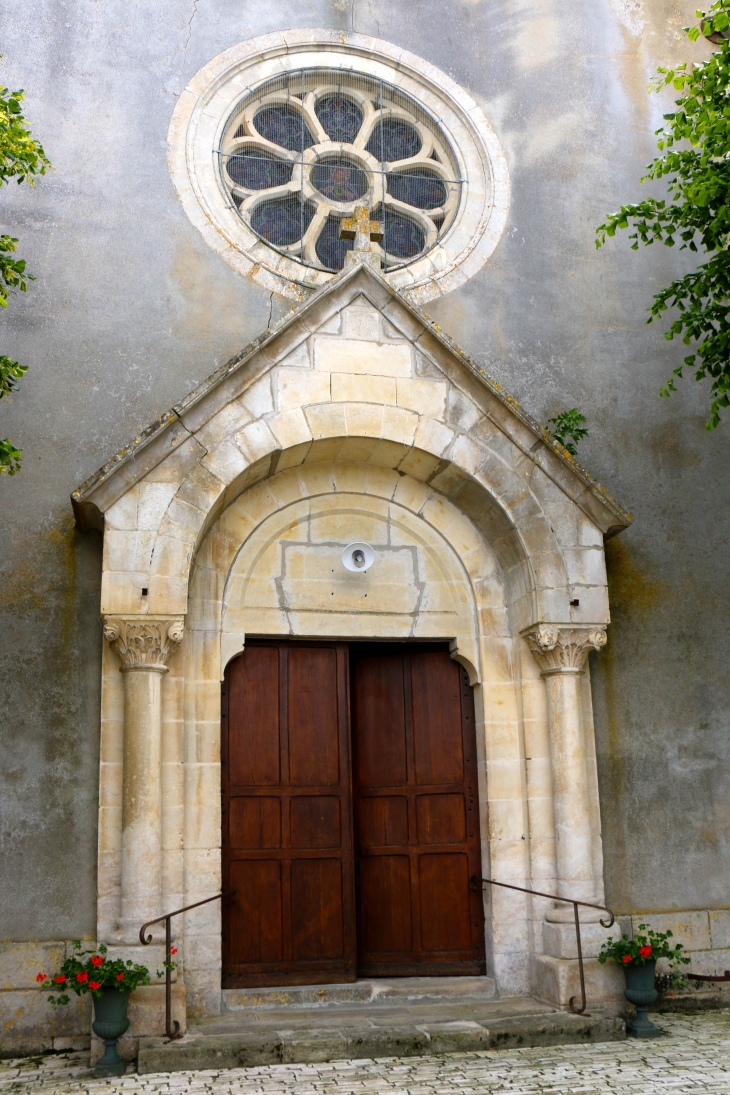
{"points": [[283, 125], [420, 187], [393, 140], [340, 117], [282, 221], [339, 180], [402, 237], [331, 250], [255, 169]]}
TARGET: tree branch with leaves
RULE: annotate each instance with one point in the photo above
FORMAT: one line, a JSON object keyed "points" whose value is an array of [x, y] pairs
{"points": [[695, 161], [21, 158]]}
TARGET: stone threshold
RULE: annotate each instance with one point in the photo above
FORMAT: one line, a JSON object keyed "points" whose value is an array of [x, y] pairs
{"points": [[405, 1017]]}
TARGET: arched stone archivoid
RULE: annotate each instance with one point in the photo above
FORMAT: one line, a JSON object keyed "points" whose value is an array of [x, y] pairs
{"points": [[355, 419]]}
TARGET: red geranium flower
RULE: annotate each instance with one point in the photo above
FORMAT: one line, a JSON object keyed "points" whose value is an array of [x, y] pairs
{"points": [[626, 959], [40, 977], [645, 951], [120, 977], [96, 961], [173, 950], [94, 985], [60, 980], [83, 976]]}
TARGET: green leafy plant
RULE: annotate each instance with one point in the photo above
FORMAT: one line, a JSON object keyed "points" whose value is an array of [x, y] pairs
{"points": [[695, 142], [21, 158], [91, 971], [645, 946], [567, 429]]}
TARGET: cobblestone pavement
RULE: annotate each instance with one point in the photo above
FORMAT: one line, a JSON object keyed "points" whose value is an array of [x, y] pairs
{"points": [[693, 1056]]}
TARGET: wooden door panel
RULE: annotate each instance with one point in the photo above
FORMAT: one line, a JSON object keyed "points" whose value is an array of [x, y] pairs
{"points": [[381, 747], [255, 823], [415, 802], [443, 882], [383, 821], [254, 749], [315, 822], [385, 892], [287, 816], [317, 909], [441, 819], [313, 717], [255, 931], [437, 720]]}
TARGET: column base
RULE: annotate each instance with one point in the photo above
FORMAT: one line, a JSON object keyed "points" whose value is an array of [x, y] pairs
{"points": [[556, 980], [126, 932], [558, 939], [146, 1019]]}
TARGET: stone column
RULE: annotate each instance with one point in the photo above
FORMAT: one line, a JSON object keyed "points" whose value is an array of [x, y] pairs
{"points": [[561, 653], [143, 645]]}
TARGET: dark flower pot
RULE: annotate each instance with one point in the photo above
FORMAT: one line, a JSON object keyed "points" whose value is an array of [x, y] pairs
{"points": [[110, 1023], [641, 993]]}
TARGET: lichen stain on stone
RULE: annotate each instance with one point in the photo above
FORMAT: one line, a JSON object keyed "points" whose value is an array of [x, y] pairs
{"points": [[631, 588], [27, 585]]}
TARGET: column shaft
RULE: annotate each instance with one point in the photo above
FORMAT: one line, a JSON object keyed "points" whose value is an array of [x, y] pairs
{"points": [[142, 794], [143, 645], [573, 833]]}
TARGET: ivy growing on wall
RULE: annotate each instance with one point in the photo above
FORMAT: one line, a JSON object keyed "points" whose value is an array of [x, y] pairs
{"points": [[695, 147], [21, 158]]}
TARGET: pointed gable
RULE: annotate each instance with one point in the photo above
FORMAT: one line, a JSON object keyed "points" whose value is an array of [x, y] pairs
{"points": [[355, 360]]}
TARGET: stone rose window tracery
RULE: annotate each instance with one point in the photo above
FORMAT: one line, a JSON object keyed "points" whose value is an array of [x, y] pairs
{"points": [[302, 150]]}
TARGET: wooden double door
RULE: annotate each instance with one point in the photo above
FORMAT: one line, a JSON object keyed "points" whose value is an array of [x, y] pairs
{"points": [[350, 814]]}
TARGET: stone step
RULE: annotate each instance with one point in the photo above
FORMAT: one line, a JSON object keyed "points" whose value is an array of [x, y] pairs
{"points": [[375, 991], [400, 1027]]}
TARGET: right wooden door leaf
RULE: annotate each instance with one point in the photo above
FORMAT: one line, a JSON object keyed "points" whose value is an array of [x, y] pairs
{"points": [[416, 813]]}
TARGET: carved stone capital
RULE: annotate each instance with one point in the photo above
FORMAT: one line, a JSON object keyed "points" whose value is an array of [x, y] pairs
{"points": [[560, 649], [143, 642]]}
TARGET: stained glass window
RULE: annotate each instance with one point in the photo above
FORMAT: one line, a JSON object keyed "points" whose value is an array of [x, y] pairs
{"points": [[341, 118], [419, 187], [331, 250], [282, 221], [256, 169], [403, 238], [393, 139], [293, 189], [284, 126], [339, 180]]}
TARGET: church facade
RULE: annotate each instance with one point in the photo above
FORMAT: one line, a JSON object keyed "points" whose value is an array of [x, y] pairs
{"points": [[345, 630]]}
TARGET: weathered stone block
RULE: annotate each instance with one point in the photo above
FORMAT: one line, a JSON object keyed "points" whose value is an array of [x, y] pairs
{"points": [[691, 929], [559, 939], [29, 1024], [362, 388], [556, 980], [346, 355], [21, 962], [299, 388], [720, 928]]}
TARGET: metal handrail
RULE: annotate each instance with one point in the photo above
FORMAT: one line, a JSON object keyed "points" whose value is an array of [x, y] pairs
{"points": [[475, 880], [173, 1035], [708, 977]]}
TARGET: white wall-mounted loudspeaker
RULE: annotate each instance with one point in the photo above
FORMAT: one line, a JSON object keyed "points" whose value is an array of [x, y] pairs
{"points": [[358, 557]]}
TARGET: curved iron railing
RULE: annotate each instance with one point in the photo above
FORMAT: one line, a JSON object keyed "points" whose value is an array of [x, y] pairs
{"points": [[474, 882], [173, 1035]]}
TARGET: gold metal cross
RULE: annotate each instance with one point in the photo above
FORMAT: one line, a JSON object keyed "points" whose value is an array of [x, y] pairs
{"points": [[361, 229]]}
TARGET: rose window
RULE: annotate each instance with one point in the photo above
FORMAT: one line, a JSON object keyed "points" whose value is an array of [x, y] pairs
{"points": [[299, 153]]}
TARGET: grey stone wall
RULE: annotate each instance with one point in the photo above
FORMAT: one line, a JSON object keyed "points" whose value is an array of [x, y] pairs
{"points": [[131, 309]]}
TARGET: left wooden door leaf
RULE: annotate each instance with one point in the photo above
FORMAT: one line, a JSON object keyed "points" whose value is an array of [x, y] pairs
{"points": [[287, 831]]}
